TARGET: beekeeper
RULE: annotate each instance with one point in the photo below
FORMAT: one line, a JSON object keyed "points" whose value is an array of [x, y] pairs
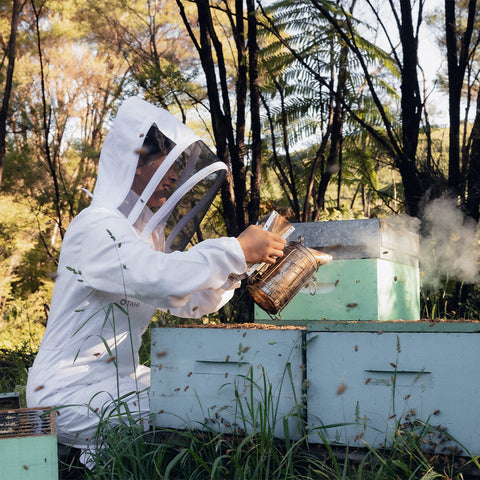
{"points": [[123, 257]]}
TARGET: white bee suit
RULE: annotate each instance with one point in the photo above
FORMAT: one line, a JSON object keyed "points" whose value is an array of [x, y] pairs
{"points": [[113, 274]]}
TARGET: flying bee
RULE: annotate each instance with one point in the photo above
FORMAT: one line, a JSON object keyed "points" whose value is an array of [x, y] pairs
{"points": [[341, 389], [142, 151]]}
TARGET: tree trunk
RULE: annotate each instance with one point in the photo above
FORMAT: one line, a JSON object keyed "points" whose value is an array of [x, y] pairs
{"points": [[241, 88], [336, 136], [277, 166], [473, 175], [7, 91], [411, 101], [255, 181], [411, 104], [339, 184], [292, 186], [46, 120], [230, 194], [457, 62]]}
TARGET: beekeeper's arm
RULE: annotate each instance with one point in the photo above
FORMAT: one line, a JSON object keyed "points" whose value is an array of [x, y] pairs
{"points": [[190, 283], [257, 246]]}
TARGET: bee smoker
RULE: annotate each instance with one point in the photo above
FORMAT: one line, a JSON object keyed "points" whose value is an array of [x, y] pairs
{"points": [[273, 286]]}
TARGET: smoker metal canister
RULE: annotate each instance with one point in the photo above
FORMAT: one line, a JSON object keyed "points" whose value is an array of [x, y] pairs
{"points": [[274, 286]]}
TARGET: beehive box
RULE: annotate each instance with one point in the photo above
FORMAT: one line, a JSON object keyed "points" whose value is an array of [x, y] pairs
{"points": [[374, 274], [9, 400], [374, 382], [28, 444], [203, 377], [361, 379]]}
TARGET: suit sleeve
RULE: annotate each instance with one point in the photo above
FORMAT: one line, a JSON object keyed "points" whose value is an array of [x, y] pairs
{"points": [[190, 283]]}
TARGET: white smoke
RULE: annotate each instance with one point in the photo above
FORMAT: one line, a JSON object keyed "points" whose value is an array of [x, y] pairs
{"points": [[404, 222], [449, 245]]}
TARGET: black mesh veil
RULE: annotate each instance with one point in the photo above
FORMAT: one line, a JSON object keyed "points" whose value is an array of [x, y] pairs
{"points": [[172, 190]]}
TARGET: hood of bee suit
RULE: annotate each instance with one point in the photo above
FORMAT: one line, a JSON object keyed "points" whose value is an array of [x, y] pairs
{"points": [[157, 173]]}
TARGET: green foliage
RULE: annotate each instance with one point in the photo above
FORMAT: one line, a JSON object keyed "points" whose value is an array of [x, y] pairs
{"points": [[93, 55], [306, 78], [452, 300], [14, 365], [250, 450], [23, 321], [25, 288]]}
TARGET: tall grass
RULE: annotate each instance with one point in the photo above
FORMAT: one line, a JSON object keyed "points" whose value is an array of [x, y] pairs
{"points": [[450, 300], [252, 451], [414, 449]]}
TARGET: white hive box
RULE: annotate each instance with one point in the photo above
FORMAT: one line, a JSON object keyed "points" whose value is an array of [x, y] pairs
{"points": [[197, 372]]}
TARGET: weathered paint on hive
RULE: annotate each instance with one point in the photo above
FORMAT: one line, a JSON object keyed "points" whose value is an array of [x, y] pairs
{"points": [[195, 372], [393, 377]]}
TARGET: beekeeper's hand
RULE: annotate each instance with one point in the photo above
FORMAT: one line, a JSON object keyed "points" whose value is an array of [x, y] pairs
{"points": [[259, 245]]}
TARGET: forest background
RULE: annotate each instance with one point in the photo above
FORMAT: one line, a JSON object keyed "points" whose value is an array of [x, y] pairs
{"points": [[321, 109]]}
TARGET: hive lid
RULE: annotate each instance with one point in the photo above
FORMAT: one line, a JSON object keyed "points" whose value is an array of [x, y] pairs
{"points": [[366, 238]]}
